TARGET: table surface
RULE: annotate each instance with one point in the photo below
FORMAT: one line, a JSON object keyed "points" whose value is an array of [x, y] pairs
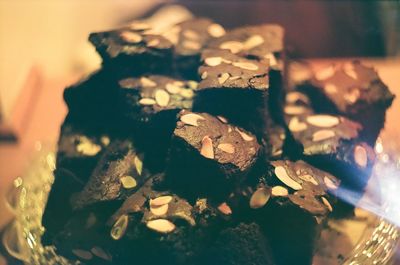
{"points": [[48, 112]]}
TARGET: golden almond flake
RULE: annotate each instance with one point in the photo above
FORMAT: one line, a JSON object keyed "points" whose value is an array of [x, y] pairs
{"points": [[204, 75], [191, 119], [186, 93], [161, 225], [159, 201], [222, 118], [279, 191], [128, 182], [327, 204], [348, 68], [146, 82], [330, 88], [360, 156], [295, 125], [233, 78], [191, 45], [228, 148], [213, 61], [293, 97], [325, 73], [159, 210], [222, 79], [105, 140], [207, 149], [147, 101], [294, 110], [233, 46], [271, 59], [283, 176], [246, 65], [225, 209], [308, 178], [192, 84], [253, 42], [330, 184], [131, 37], [137, 25], [322, 135], [138, 165], [260, 198], [216, 30], [162, 97], [119, 228], [172, 88], [87, 147], [191, 34], [244, 135], [83, 254], [352, 96], [99, 252], [153, 43], [324, 121]]}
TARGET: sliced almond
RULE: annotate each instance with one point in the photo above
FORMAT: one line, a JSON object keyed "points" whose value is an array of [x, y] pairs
{"points": [[295, 125], [159, 210], [191, 119], [294, 110], [191, 34], [327, 204], [244, 135], [119, 228], [352, 96], [330, 88], [207, 149], [161, 225], [83, 254], [222, 79], [204, 75], [159, 201], [330, 184], [225, 209], [216, 30], [186, 93], [360, 156], [138, 165], [283, 176], [137, 25], [348, 68], [105, 140], [324, 121], [191, 45], [153, 43], [293, 97], [271, 59], [146, 82], [228, 148], [232, 78], [162, 97], [131, 37], [322, 135], [260, 198], [309, 178], [87, 147], [99, 252], [172, 88], [246, 65], [325, 73], [128, 182], [223, 119], [233, 46], [192, 84], [213, 61], [253, 42], [147, 101], [279, 191]]}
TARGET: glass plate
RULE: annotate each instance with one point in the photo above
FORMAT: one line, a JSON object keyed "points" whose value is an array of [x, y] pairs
{"points": [[367, 238]]}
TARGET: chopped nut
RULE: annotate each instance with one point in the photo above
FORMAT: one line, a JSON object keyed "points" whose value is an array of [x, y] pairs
{"points": [[330, 184], [119, 228], [225, 209], [204, 75], [330, 88], [245, 136], [327, 204], [128, 182], [222, 79], [213, 61], [325, 73], [309, 178], [131, 37], [295, 125], [187, 93], [137, 25], [294, 110], [162, 98], [207, 149], [191, 119], [161, 225], [348, 68], [228, 148], [83, 254], [272, 59], [360, 156], [324, 121], [352, 96], [223, 119], [191, 45], [138, 165], [322, 135], [279, 191], [159, 210], [147, 101], [159, 201], [246, 65], [192, 84], [87, 147], [172, 88], [233, 46], [105, 140], [146, 82], [153, 43], [293, 97], [283, 176], [216, 30], [253, 42], [191, 34], [260, 197]]}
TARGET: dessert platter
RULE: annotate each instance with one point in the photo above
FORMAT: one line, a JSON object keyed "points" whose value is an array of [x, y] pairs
{"points": [[191, 145]]}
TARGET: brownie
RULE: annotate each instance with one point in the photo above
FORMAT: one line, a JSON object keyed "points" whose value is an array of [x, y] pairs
{"points": [[352, 90], [290, 201], [189, 38], [208, 156], [236, 88], [149, 105], [133, 49]]}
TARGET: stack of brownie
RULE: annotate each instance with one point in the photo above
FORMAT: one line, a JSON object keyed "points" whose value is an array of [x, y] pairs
{"points": [[187, 148]]}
